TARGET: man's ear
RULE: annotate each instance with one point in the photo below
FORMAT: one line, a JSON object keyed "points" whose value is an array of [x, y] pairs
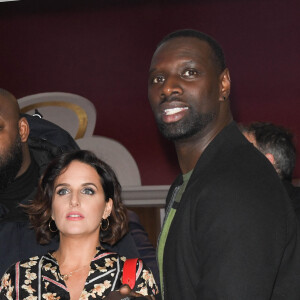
{"points": [[271, 158], [224, 85], [23, 129]]}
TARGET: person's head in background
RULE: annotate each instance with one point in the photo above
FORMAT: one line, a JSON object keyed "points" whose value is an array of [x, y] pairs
{"points": [[82, 195], [276, 143], [14, 132]]}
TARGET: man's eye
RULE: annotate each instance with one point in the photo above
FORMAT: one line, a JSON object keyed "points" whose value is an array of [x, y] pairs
{"points": [[158, 79], [63, 191], [88, 191], [189, 73]]}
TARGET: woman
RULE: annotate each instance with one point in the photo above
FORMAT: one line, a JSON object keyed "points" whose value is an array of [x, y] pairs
{"points": [[78, 198]]}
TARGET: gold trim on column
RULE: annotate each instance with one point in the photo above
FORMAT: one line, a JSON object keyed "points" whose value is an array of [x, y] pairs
{"points": [[79, 111]]}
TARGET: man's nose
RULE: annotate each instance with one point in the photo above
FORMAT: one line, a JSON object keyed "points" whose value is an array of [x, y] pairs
{"points": [[171, 86]]}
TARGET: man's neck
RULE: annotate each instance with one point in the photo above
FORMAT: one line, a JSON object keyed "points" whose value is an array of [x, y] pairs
{"points": [[26, 160], [190, 150]]}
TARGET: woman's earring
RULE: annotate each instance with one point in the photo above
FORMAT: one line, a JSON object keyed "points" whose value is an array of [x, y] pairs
{"points": [[107, 224], [49, 225]]}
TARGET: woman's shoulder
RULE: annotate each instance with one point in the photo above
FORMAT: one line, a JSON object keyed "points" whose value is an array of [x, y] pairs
{"points": [[17, 270], [25, 265]]}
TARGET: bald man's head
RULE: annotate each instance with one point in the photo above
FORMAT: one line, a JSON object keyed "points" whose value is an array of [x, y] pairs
{"points": [[9, 105], [14, 131]]}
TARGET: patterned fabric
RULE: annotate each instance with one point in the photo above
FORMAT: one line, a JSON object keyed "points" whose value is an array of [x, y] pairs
{"points": [[39, 278]]}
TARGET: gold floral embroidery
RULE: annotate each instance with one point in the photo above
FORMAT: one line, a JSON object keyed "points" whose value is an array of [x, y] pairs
{"points": [[100, 288], [34, 258], [143, 291], [28, 288], [6, 282], [31, 297], [51, 296], [52, 269], [101, 269], [9, 293], [30, 276], [85, 295], [148, 277], [29, 264], [109, 262], [47, 267]]}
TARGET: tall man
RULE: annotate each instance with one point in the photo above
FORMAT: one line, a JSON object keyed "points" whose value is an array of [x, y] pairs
{"points": [[228, 233]]}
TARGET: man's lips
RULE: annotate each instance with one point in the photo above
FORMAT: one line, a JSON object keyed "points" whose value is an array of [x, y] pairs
{"points": [[175, 110], [74, 216], [173, 114]]}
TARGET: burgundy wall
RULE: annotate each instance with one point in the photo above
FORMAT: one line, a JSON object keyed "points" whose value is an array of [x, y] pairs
{"points": [[103, 52]]}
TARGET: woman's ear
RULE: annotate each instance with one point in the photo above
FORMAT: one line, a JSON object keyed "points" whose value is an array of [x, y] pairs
{"points": [[108, 208], [23, 129]]}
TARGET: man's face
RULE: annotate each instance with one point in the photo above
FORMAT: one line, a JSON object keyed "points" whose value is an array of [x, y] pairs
{"points": [[10, 146], [184, 87]]}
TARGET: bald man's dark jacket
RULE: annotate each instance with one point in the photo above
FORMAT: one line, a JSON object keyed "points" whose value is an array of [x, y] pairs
{"points": [[234, 235]]}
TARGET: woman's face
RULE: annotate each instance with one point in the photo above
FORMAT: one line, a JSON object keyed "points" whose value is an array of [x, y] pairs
{"points": [[78, 203]]}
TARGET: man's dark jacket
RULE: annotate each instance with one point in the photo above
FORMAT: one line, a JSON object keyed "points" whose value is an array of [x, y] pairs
{"points": [[234, 235], [294, 194]]}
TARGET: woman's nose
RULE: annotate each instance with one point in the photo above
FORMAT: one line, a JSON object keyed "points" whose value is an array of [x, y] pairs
{"points": [[74, 201]]}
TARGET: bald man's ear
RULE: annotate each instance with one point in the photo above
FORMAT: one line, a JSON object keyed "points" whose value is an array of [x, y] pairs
{"points": [[224, 85], [23, 130]]}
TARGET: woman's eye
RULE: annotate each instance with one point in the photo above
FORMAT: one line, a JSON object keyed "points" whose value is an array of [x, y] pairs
{"points": [[189, 73], [63, 191], [158, 79], [88, 191]]}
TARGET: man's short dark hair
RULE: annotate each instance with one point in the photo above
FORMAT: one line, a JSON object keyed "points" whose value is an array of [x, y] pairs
{"points": [[278, 141], [216, 48]]}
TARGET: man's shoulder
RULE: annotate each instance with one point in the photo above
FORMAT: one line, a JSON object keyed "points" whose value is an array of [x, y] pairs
{"points": [[47, 140], [232, 172], [42, 130]]}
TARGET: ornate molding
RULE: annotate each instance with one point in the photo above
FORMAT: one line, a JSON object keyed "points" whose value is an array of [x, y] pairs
{"points": [[147, 195]]}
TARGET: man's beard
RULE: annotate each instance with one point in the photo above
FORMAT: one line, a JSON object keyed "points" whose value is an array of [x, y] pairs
{"points": [[11, 164], [185, 127]]}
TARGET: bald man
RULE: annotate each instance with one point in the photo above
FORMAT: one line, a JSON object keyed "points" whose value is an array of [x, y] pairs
{"points": [[19, 173], [14, 131]]}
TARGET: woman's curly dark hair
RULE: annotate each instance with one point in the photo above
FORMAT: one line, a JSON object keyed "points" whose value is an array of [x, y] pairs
{"points": [[40, 209]]}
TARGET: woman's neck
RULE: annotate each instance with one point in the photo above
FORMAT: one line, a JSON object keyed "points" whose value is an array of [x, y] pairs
{"points": [[75, 252]]}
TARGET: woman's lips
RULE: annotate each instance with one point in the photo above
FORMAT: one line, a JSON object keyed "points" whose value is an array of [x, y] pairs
{"points": [[74, 216]]}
